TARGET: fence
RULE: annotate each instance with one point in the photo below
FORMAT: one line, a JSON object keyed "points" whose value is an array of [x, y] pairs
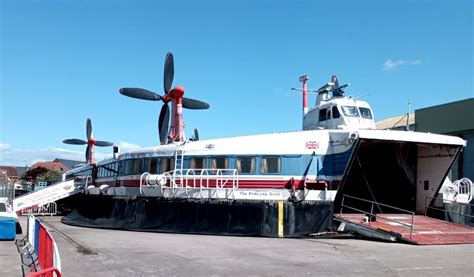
{"points": [[46, 209], [6, 190], [372, 213], [41, 249]]}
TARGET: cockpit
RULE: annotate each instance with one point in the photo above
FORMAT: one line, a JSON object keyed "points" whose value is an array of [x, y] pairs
{"points": [[338, 115], [338, 111]]}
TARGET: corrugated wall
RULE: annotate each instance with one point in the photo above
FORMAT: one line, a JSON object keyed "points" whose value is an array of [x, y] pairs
{"points": [[456, 118]]}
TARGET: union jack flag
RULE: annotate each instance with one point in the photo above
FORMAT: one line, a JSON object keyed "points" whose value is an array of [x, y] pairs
{"points": [[312, 144]]}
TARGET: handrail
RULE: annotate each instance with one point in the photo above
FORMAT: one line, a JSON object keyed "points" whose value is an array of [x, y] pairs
{"points": [[191, 178], [385, 205], [46, 209], [444, 210], [143, 176], [371, 213], [87, 180]]}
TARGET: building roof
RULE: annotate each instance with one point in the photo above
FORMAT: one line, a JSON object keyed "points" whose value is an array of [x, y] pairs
{"points": [[70, 164], [21, 170], [11, 171], [395, 122], [51, 166]]}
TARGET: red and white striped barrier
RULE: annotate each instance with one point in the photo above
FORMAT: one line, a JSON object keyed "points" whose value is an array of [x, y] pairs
{"points": [[45, 247]]}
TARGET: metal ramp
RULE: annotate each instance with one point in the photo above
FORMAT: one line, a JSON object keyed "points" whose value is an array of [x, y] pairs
{"points": [[47, 195], [404, 226]]}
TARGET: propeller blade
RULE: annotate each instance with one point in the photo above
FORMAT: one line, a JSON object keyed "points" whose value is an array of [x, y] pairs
{"points": [[163, 123], [196, 134], [140, 93], [89, 128], [192, 104], [168, 72], [334, 81], [88, 154], [74, 141], [102, 143]]}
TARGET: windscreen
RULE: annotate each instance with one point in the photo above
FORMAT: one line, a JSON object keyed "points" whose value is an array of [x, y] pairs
{"points": [[350, 111]]}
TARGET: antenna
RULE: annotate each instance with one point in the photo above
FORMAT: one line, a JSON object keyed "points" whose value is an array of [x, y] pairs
{"points": [[303, 79], [408, 117]]}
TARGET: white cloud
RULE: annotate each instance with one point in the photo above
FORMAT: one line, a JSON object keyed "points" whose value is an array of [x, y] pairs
{"points": [[127, 146], [391, 65], [20, 157]]}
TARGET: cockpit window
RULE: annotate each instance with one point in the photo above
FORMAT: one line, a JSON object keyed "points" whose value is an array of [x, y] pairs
{"points": [[322, 115], [335, 112], [351, 111], [365, 113]]}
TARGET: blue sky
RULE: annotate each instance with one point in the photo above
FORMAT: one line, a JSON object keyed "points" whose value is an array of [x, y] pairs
{"points": [[64, 61]]}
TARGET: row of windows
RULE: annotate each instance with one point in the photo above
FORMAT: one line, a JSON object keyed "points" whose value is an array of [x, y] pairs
{"points": [[87, 172], [107, 170], [244, 165], [349, 111]]}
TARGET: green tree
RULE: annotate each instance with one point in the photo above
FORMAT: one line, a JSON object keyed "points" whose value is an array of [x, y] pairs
{"points": [[50, 176]]}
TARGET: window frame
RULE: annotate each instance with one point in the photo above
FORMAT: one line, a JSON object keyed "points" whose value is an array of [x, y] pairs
{"points": [[322, 114], [279, 161], [362, 113], [253, 164]]}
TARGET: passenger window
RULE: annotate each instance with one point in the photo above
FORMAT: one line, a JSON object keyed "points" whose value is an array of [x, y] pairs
{"points": [[329, 114], [335, 112], [246, 165], [322, 115], [121, 168], [197, 163], [151, 165], [166, 164], [270, 165], [137, 166], [128, 167], [219, 163]]}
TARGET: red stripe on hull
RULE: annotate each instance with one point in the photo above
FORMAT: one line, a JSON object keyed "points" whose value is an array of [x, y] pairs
{"points": [[243, 184]]}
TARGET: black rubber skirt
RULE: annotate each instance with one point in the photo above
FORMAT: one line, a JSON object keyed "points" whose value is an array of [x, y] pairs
{"points": [[220, 217]]}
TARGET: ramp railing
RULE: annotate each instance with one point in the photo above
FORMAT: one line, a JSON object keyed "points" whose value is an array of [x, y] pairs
{"points": [[430, 200], [372, 214], [46, 209], [191, 179]]}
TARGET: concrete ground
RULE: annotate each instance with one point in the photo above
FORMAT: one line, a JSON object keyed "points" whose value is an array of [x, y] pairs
{"points": [[93, 252], [9, 259]]}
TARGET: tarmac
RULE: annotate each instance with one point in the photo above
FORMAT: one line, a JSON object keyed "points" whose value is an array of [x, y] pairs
{"points": [[93, 252]]}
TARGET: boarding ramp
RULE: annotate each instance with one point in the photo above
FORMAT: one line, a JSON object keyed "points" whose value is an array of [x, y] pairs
{"points": [[41, 198], [373, 220]]}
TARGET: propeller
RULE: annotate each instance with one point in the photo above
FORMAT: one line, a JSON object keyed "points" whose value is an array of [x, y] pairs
{"points": [[163, 123], [75, 141], [196, 134], [90, 142], [164, 117], [335, 82]]}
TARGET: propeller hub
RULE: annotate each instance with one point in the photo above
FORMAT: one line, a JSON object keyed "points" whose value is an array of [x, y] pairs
{"points": [[177, 92], [91, 141]]}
